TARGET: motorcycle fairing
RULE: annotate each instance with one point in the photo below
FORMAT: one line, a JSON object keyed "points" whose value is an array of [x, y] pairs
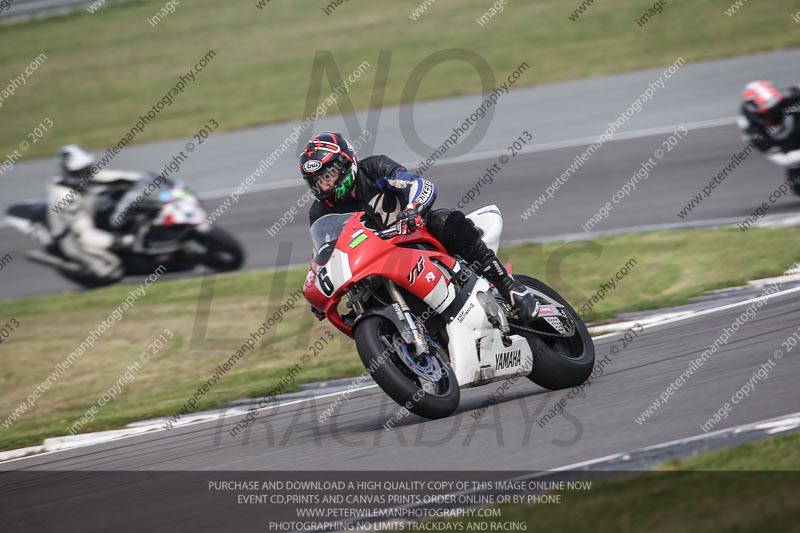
{"points": [[478, 353], [391, 259]]}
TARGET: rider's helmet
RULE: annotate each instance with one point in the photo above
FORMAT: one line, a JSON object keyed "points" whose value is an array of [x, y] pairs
{"points": [[329, 156], [76, 164], [761, 98]]}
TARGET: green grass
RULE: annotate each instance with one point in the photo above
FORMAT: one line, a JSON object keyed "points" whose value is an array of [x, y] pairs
{"points": [[777, 454], [104, 70], [748, 488], [671, 267]]}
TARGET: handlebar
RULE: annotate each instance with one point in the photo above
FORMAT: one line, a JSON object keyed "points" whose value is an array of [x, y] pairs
{"points": [[396, 229], [388, 233]]}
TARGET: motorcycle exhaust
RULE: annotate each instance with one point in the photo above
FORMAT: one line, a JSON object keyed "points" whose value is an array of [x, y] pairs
{"points": [[37, 256]]}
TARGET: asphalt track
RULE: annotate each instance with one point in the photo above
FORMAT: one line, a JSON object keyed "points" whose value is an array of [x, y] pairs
{"points": [[680, 175], [701, 91], [557, 113], [598, 421]]}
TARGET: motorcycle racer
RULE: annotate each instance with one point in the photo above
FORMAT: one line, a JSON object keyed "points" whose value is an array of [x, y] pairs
{"points": [[770, 119], [391, 195], [72, 206]]}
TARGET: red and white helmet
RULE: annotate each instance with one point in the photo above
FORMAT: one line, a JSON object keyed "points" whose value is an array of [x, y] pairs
{"points": [[761, 96], [323, 154]]}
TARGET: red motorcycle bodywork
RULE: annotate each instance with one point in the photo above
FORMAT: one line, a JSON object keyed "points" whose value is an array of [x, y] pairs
{"points": [[410, 268]]}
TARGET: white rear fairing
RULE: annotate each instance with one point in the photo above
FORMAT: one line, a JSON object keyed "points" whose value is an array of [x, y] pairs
{"points": [[35, 230], [490, 220], [477, 353]]}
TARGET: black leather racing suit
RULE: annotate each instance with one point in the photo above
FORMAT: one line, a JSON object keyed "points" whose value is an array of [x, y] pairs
{"points": [[384, 188]]}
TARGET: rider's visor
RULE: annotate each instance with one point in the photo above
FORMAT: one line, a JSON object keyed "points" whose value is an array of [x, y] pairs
{"points": [[326, 181]]}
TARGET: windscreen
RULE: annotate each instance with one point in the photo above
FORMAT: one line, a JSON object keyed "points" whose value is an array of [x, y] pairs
{"points": [[325, 232]]}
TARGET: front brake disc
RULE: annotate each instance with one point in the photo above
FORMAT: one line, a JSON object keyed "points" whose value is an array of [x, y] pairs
{"points": [[427, 367]]}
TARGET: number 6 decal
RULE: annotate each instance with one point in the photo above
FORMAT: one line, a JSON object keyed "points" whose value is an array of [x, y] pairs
{"points": [[325, 283]]}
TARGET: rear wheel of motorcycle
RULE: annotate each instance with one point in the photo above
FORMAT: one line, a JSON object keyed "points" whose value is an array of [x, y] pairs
{"points": [[224, 252], [85, 280], [428, 400], [559, 362]]}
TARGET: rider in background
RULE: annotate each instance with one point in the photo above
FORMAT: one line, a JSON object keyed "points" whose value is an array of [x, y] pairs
{"points": [[391, 195], [73, 198], [770, 119]]}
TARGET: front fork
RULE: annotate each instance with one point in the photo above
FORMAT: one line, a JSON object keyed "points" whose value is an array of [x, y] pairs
{"points": [[396, 296]]}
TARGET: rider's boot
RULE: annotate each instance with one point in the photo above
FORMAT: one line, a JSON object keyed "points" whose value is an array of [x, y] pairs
{"points": [[485, 261]]}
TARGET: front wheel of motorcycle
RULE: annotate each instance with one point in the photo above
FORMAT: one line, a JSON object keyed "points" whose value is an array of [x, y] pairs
{"points": [[224, 254], [400, 374], [559, 362]]}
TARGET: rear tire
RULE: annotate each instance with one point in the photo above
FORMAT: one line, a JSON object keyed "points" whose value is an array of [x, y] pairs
{"points": [[396, 380], [87, 281], [559, 362]]}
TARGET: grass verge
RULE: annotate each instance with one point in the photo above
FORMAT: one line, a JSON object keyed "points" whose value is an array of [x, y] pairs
{"points": [[209, 323], [104, 70], [752, 487]]}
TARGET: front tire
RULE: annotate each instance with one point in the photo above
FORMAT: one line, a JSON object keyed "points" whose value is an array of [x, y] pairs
{"points": [[559, 362], [397, 380], [225, 254]]}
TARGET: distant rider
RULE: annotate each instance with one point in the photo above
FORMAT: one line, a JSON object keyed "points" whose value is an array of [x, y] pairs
{"points": [[391, 195], [770, 119], [73, 199]]}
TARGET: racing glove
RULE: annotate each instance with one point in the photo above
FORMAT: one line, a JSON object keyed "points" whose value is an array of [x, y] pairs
{"points": [[409, 219]]}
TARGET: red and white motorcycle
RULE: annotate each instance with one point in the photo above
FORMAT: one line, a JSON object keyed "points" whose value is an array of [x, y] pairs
{"points": [[426, 325]]}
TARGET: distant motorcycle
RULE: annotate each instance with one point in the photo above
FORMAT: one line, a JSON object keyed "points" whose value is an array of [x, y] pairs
{"points": [[170, 231], [426, 325], [788, 160], [769, 119], [787, 157]]}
